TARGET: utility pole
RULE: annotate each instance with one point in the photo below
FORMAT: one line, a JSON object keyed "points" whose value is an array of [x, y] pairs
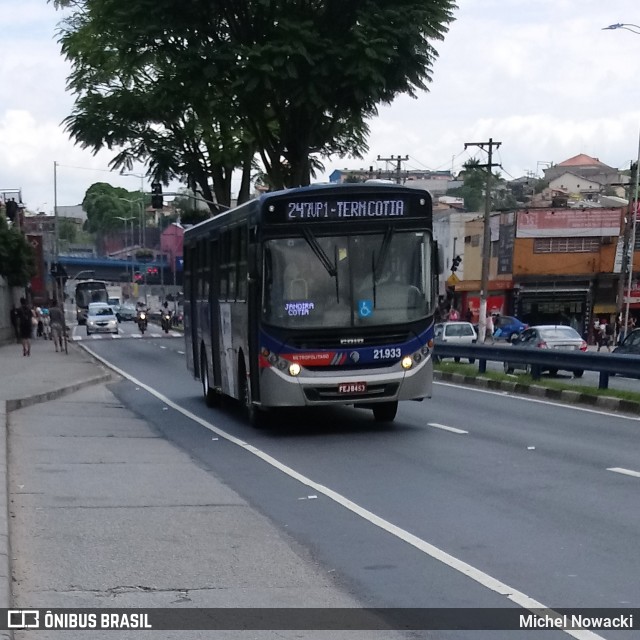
{"points": [[486, 243], [399, 160]]}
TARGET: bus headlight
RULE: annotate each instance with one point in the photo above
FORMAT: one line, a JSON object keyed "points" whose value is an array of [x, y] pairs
{"points": [[294, 369], [407, 362]]}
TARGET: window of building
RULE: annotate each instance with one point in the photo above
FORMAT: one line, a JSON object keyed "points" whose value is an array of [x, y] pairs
{"points": [[566, 245]]}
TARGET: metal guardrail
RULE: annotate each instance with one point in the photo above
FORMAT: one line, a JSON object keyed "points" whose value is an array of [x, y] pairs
{"points": [[605, 363]]}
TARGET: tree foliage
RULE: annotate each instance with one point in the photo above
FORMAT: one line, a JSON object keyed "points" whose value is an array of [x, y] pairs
{"points": [[105, 204], [17, 258], [473, 190], [67, 230], [198, 87]]}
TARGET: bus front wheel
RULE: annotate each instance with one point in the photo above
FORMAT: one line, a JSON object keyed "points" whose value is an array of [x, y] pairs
{"points": [[385, 411], [256, 416]]}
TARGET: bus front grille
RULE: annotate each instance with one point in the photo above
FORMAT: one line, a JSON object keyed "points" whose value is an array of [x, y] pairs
{"points": [[334, 340], [384, 390]]}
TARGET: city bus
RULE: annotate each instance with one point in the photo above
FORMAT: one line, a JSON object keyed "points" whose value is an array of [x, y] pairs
{"points": [[314, 296], [87, 291]]}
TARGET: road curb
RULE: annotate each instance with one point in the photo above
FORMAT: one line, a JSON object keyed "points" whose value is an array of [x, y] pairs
{"points": [[38, 398], [6, 407], [569, 397], [5, 543]]}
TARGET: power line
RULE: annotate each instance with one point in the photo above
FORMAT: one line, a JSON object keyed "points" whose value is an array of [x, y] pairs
{"points": [[398, 160]]}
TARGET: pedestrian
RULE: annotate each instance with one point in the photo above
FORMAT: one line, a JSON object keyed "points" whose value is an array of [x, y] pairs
{"points": [[27, 323], [468, 316], [489, 327], [602, 337], [39, 322], [56, 317], [453, 314]]}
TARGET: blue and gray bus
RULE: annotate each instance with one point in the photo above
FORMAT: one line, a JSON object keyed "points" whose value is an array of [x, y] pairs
{"points": [[314, 296]]}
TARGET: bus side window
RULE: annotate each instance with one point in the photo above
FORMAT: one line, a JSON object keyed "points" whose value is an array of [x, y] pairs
{"points": [[225, 250], [242, 264], [232, 265]]}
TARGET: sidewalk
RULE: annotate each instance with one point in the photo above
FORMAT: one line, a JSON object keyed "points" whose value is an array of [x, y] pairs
{"points": [[104, 512]]}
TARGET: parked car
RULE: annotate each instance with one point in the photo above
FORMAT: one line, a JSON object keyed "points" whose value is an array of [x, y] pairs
{"points": [[125, 311], [101, 319], [546, 336], [505, 327], [630, 345], [455, 332]]}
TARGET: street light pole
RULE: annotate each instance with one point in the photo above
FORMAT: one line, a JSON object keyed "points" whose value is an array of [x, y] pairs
{"points": [[125, 220], [633, 202], [630, 227]]}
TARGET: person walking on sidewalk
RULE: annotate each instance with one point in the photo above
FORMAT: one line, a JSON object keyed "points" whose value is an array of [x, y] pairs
{"points": [[56, 319], [27, 319]]}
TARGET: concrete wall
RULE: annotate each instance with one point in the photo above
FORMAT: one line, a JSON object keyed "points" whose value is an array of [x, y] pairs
{"points": [[6, 330]]}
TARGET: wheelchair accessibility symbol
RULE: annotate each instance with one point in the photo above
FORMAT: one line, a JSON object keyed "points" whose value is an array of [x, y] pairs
{"points": [[365, 308]]}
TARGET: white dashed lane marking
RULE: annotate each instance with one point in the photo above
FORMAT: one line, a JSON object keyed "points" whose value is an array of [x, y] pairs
{"points": [[625, 472], [444, 427]]}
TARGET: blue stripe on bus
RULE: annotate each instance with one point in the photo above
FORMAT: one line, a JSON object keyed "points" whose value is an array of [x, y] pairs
{"points": [[366, 355]]}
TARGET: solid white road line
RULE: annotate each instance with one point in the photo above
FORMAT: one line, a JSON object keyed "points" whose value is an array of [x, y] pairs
{"points": [[625, 472], [559, 405], [444, 427], [427, 548]]}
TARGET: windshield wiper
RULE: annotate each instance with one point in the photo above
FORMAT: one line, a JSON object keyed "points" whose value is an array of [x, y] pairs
{"points": [[382, 256], [376, 265], [332, 269]]}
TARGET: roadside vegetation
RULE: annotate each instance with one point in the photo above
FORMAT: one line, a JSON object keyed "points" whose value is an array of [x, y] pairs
{"points": [[526, 379]]}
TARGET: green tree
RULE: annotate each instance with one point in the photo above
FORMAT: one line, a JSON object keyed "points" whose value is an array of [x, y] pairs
{"points": [[104, 203], [67, 230], [17, 259], [473, 190], [197, 87]]}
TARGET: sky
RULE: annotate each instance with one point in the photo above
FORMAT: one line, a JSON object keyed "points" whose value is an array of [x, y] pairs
{"points": [[539, 76]]}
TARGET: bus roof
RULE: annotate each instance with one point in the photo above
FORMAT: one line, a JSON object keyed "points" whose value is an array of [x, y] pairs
{"points": [[373, 188]]}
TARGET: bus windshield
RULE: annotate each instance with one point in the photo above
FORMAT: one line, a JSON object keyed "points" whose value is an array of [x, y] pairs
{"points": [[347, 281]]}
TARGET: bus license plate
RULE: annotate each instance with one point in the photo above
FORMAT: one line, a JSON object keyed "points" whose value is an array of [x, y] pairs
{"points": [[352, 387]]}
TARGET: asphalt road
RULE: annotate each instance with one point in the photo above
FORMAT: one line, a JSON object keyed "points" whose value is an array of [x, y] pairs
{"points": [[471, 499]]}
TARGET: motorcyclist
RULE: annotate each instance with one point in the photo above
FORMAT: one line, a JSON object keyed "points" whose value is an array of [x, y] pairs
{"points": [[165, 319], [142, 316]]}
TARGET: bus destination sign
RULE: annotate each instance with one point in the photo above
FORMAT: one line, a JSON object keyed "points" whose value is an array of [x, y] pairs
{"points": [[353, 209]]}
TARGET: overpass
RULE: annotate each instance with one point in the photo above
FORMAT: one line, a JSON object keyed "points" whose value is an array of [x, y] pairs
{"points": [[116, 270]]}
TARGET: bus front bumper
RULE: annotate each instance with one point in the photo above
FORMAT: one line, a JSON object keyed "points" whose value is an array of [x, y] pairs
{"points": [[366, 386]]}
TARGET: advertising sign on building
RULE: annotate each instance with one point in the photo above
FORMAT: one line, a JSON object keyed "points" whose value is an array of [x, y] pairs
{"points": [[568, 223]]}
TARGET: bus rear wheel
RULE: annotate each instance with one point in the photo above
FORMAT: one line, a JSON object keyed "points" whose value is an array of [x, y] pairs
{"points": [[385, 411], [210, 396]]}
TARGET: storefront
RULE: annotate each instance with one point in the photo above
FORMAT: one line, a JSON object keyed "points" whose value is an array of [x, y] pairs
{"points": [[499, 299], [555, 302]]}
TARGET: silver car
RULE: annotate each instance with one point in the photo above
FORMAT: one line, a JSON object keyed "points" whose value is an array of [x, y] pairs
{"points": [[101, 319], [546, 336]]}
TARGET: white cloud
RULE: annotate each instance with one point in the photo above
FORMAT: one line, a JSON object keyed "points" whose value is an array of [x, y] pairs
{"points": [[541, 77]]}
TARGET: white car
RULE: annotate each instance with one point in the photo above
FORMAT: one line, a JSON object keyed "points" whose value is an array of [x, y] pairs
{"points": [[455, 332], [101, 319]]}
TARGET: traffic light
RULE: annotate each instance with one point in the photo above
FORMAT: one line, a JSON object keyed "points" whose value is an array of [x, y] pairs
{"points": [[455, 263], [156, 195]]}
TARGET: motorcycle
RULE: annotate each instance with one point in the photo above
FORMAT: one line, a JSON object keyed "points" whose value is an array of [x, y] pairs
{"points": [[142, 321], [165, 321]]}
